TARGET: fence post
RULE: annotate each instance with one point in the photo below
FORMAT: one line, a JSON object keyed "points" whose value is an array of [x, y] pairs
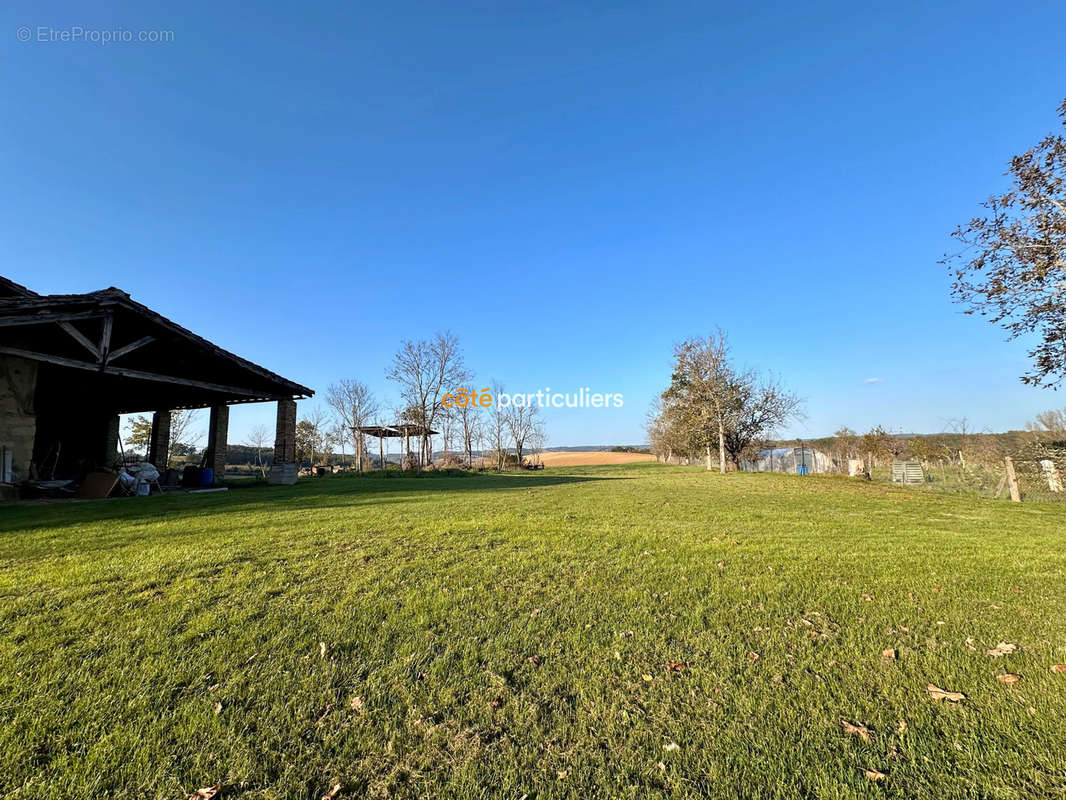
{"points": [[1051, 474], [1012, 480]]}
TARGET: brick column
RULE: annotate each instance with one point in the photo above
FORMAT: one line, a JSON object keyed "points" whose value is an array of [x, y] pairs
{"points": [[217, 441], [159, 442], [284, 467], [109, 445]]}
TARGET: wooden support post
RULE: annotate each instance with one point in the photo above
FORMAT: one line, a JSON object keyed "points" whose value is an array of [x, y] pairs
{"points": [[1012, 480], [381, 452]]}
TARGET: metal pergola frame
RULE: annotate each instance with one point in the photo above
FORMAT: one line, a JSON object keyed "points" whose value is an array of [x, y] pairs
{"points": [[399, 430]]}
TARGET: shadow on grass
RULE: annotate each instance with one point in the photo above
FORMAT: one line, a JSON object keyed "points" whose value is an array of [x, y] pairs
{"points": [[310, 494]]}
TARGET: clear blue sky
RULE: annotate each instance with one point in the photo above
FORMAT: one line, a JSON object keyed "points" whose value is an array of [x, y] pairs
{"points": [[571, 188]]}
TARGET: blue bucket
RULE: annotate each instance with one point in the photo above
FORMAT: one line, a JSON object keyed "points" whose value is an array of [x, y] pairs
{"points": [[207, 477]]}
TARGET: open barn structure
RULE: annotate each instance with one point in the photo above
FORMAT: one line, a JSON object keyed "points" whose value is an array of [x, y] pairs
{"points": [[70, 364]]}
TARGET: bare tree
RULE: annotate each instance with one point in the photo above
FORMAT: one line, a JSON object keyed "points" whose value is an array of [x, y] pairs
{"points": [[448, 426], [426, 371], [498, 424], [762, 407], [311, 433], [522, 422], [1013, 265], [469, 418], [340, 434], [668, 436], [846, 442], [260, 437], [1049, 424], [184, 437], [355, 407], [537, 440]]}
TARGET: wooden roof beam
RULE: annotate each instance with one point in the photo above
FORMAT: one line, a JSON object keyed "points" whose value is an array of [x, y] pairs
{"points": [[134, 373], [129, 348]]}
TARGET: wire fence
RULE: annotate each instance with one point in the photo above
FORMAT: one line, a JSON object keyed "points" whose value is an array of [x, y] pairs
{"points": [[1038, 475], [1037, 470]]}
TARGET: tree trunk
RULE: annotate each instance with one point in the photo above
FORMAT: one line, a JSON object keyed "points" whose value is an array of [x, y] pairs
{"points": [[721, 446], [708, 458]]}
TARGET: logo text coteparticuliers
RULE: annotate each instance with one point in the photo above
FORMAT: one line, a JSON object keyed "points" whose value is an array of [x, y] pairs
{"points": [[544, 398]]}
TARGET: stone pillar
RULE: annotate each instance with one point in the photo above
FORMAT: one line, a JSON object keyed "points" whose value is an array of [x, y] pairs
{"points": [[284, 469], [109, 447], [217, 441], [18, 423], [159, 441]]}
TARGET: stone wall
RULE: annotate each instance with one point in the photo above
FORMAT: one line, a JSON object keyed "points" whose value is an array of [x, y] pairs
{"points": [[18, 424]]}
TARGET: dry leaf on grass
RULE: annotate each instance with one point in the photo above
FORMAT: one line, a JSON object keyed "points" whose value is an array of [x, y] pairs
{"points": [[670, 748], [1002, 649], [889, 654], [218, 709], [647, 677], [859, 730], [969, 644], [874, 775], [497, 702], [1059, 669], [333, 793], [562, 774], [357, 704], [206, 793], [901, 728], [322, 649], [676, 666], [1008, 678], [942, 694], [868, 597], [753, 656], [534, 660]]}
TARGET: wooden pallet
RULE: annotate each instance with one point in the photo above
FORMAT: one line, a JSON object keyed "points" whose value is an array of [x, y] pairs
{"points": [[907, 472]]}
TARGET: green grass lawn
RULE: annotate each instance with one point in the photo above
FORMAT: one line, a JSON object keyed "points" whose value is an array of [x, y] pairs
{"points": [[511, 635]]}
